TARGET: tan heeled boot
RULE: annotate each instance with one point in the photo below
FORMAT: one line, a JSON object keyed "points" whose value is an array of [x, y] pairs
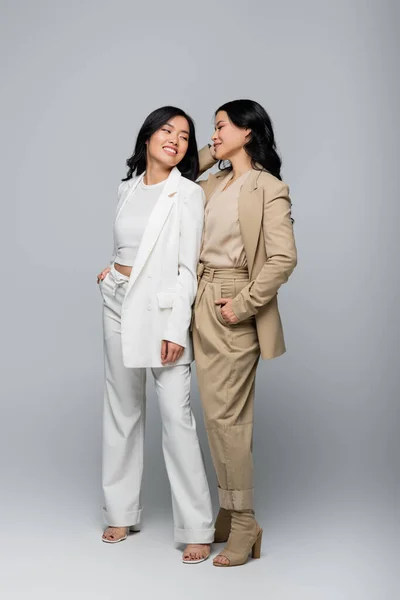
{"points": [[222, 525], [245, 536]]}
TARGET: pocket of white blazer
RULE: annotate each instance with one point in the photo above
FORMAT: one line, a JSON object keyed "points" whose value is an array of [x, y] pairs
{"points": [[166, 299]]}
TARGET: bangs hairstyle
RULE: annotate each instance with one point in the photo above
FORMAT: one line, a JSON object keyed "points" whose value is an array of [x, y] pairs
{"points": [[189, 165], [261, 146]]}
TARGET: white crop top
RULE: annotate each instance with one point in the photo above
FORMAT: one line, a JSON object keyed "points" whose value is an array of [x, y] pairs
{"points": [[132, 221]]}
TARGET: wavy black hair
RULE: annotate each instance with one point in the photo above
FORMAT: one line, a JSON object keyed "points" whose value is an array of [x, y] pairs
{"points": [[261, 146], [189, 165]]}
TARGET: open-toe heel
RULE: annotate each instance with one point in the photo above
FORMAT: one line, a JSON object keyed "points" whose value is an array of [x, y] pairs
{"points": [[204, 557], [128, 530], [245, 539]]}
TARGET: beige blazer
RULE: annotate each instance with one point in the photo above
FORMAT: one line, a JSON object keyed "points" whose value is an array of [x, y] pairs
{"points": [[268, 240]]}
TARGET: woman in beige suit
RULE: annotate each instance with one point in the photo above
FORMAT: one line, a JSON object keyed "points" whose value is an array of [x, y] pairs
{"points": [[248, 251]]}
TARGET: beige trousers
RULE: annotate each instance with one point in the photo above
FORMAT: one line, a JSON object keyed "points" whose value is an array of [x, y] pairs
{"points": [[226, 361]]}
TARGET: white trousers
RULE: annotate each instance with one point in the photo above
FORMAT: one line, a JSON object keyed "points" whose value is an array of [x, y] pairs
{"points": [[123, 433]]}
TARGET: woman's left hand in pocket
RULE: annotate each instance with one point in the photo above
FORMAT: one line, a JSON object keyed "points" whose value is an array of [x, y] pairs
{"points": [[103, 274], [170, 352], [226, 310]]}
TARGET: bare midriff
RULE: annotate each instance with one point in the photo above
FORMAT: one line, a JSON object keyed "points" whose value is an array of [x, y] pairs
{"points": [[123, 269]]}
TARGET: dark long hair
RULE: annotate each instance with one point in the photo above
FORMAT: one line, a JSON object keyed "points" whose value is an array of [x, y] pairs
{"points": [[261, 147], [189, 165]]}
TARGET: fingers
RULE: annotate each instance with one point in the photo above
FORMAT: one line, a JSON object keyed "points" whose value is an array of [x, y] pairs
{"points": [[172, 352], [164, 350], [167, 352], [103, 274], [176, 355], [222, 301], [171, 356], [227, 313], [229, 317]]}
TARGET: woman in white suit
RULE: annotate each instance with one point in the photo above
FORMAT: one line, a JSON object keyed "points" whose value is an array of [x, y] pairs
{"points": [[148, 292]]}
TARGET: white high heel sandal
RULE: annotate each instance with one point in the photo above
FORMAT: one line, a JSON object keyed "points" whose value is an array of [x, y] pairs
{"points": [[128, 530]]}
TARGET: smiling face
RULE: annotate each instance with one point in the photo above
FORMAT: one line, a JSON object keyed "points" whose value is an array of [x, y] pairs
{"points": [[228, 138], [169, 144]]}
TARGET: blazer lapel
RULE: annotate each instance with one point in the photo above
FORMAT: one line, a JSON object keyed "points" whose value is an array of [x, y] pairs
{"points": [[212, 182], [250, 208], [155, 224]]}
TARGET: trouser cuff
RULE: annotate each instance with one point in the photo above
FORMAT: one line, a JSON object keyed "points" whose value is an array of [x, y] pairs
{"points": [[236, 499], [194, 536], [122, 519]]}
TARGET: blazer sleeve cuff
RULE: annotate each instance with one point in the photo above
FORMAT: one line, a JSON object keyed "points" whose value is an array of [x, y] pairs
{"points": [[240, 309], [206, 160], [175, 338]]}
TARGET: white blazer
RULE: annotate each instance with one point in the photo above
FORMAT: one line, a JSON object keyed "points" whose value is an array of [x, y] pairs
{"points": [[163, 282]]}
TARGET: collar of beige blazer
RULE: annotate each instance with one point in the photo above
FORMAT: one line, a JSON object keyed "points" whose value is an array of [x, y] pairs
{"points": [[250, 208], [156, 221]]}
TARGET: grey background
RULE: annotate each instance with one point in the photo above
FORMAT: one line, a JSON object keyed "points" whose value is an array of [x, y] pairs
{"points": [[78, 78]]}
